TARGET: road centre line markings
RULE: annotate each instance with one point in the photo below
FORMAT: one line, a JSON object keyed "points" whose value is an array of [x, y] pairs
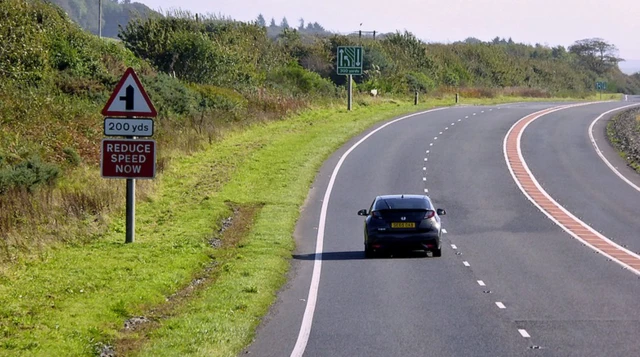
{"points": [[452, 124], [466, 263], [460, 119], [441, 133], [481, 283], [500, 305], [523, 333], [534, 192], [474, 113], [307, 319], [424, 169], [467, 117], [424, 179], [595, 146], [427, 151], [454, 246], [426, 159], [435, 138], [430, 144], [426, 190]]}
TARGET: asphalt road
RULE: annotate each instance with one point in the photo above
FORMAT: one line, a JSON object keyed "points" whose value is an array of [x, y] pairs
{"points": [[510, 282]]}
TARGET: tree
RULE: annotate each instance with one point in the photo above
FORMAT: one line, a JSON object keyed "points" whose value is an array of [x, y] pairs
{"points": [[596, 54], [301, 27], [284, 24], [273, 23], [260, 21]]}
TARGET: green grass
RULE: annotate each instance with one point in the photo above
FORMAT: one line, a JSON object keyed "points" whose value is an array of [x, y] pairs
{"points": [[74, 298]]}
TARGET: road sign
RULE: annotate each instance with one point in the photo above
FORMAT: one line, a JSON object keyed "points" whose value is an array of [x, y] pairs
{"points": [[129, 98], [349, 60], [128, 159], [128, 127], [601, 85]]}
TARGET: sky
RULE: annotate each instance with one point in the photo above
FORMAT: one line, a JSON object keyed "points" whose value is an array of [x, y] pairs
{"points": [[550, 22]]}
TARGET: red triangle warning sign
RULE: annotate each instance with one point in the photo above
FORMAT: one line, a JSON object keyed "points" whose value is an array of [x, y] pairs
{"points": [[129, 98]]}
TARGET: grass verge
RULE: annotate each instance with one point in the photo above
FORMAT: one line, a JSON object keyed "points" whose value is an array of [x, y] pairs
{"points": [[74, 300]]}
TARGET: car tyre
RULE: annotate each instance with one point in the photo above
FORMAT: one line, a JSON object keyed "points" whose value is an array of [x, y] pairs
{"points": [[437, 252], [368, 252]]}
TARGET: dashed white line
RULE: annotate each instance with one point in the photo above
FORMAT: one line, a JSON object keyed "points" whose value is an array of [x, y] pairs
{"points": [[481, 283], [440, 133], [453, 123], [490, 109], [435, 138], [430, 144], [427, 151], [424, 179], [447, 128], [444, 230], [424, 169], [467, 117], [482, 111], [426, 159], [460, 119], [474, 113], [454, 246], [500, 305], [466, 263], [426, 190], [524, 333]]}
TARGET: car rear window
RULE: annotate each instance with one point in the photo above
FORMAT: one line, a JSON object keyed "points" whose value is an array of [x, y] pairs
{"points": [[402, 203]]}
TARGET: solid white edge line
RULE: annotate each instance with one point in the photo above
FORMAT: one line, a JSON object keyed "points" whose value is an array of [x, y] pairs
{"points": [[595, 145], [307, 319], [481, 283], [523, 333], [500, 305], [504, 148]]}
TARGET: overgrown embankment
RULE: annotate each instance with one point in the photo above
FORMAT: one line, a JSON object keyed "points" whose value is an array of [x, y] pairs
{"points": [[624, 134]]}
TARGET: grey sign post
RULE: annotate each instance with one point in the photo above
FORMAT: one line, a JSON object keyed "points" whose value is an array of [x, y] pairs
{"points": [[600, 87], [349, 60]]}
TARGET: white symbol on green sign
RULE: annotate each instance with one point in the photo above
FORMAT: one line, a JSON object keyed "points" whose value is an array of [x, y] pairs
{"points": [[349, 60], [601, 85]]}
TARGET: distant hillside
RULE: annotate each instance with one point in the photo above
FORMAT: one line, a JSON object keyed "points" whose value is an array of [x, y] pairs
{"points": [[114, 13]]}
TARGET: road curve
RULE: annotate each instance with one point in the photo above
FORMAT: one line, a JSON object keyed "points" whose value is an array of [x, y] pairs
{"points": [[510, 282]]}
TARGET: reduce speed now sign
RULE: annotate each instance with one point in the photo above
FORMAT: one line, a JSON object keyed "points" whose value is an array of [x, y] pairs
{"points": [[128, 158]]}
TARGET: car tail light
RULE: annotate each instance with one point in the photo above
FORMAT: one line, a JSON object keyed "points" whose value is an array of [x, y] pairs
{"points": [[376, 214], [429, 214]]}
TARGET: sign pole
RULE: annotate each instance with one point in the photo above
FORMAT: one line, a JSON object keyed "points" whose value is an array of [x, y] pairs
{"points": [[350, 94], [131, 211]]}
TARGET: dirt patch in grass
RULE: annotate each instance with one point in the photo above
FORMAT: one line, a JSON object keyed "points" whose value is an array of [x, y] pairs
{"points": [[136, 330]]}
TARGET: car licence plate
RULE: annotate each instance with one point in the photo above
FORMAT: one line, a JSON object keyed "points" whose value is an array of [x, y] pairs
{"points": [[403, 225]]}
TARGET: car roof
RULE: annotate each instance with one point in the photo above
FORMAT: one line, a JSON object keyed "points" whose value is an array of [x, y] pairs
{"points": [[401, 196]]}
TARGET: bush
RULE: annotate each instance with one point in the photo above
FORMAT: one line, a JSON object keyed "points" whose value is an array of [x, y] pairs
{"points": [[298, 81], [72, 156], [28, 174]]}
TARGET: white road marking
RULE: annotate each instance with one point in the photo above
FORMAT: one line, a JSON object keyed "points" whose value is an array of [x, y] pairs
{"points": [[454, 246], [474, 113], [426, 159], [500, 305], [490, 109], [435, 138], [431, 144], [444, 230], [466, 263], [482, 111], [524, 333], [427, 151], [481, 283], [453, 123], [447, 128], [595, 146], [424, 179], [541, 190], [424, 169], [307, 319], [440, 133], [426, 190], [467, 117], [460, 119]]}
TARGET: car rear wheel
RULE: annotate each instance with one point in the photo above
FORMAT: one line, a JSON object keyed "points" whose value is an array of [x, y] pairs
{"points": [[437, 252], [368, 251]]}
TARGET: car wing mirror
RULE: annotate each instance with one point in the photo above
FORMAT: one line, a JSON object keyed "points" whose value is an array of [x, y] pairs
{"points": [[441, 212], [362, 212]]}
